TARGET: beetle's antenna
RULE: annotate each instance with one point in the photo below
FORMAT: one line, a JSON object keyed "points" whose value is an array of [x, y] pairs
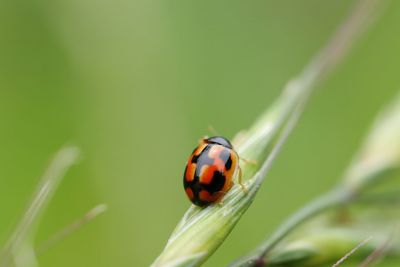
{"points": [[212, 130]]}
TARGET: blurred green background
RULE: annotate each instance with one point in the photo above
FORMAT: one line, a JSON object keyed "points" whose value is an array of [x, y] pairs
{"points": [[135, 84]]}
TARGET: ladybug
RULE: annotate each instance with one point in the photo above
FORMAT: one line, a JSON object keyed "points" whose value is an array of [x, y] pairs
{"points": [[209, 171]]}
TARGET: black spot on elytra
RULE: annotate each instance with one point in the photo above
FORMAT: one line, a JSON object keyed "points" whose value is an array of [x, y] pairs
{"points": [[225, 156], [200, 157], [228, 163], [217, 183], [195, 158]]}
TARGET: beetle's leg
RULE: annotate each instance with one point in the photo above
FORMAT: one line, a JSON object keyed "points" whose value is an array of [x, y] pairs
{"points": [[249, 161], [219, 201], [212, 130], [241, 182]]}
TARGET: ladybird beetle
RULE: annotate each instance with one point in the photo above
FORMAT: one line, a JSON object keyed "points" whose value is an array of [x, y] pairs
{"points": [[209, 170]]}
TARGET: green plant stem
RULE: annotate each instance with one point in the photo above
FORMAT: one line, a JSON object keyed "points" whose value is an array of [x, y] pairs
{"points": [[328, 200]]}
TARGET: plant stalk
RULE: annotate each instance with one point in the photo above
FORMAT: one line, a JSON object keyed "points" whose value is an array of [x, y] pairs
{"points": [[331, 199]]}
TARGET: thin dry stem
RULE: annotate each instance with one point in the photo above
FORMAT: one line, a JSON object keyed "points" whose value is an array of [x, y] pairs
{"points": [[69, 229], [351, 252], [18, 250], [378, 253]]}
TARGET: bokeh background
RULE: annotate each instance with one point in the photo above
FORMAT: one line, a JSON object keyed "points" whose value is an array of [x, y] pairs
{"points": [[135, 84]]}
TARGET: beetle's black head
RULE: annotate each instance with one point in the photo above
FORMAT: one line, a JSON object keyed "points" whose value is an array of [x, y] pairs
{"points": [[219, 140]]}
